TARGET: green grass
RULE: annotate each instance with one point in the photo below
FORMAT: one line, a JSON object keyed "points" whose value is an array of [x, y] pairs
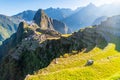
{"points": [[106, 66], [115, 76], [66, 35]]}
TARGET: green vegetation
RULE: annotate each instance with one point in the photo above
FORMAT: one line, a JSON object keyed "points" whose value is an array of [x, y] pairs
{"points": [[106, 66], [66, 35], [3, 34]]}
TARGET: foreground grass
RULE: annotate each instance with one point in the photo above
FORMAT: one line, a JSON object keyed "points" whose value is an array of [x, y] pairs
{"points": [[106, 66]]}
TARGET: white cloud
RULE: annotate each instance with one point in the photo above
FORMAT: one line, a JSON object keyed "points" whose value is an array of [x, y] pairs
{"points": [[101, 2]]}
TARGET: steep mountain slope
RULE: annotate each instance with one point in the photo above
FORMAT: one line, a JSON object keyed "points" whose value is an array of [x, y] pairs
{"points": [[39, 54], [99, 20], [73, 67], [110, 29], [44, 23], [26, 15], [36, 44], [106, 61], [26, 39], [8, 26], [32, 48], [3, 34], [82, 18], [42, 20]]}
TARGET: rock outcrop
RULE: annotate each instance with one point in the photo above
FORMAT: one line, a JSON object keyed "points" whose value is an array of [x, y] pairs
{"points": [[42, 20]]}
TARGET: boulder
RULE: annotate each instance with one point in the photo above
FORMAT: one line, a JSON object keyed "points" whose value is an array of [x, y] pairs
{"points": [[89, 62]]}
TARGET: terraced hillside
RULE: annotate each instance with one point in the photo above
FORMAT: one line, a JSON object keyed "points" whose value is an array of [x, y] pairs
{"points": [[72, 67]]}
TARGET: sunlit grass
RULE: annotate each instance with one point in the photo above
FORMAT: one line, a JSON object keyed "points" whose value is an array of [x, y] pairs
{"points": [[106, 66], [66, 35]]}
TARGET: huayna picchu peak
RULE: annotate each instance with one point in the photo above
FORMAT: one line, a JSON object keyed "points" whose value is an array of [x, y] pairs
{"points": [[44, 22]]}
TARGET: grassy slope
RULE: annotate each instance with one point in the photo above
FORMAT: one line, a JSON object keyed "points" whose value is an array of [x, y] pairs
{"points": [[105, 67]]}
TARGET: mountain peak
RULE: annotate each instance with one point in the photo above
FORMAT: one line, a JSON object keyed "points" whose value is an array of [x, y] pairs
{"points": [[91, 5], [42, 20]]}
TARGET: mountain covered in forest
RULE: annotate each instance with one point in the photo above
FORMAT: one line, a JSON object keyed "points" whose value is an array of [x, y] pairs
{"points": [[8, 26]]}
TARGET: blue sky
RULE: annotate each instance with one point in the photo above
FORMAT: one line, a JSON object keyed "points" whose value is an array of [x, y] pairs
{"points": [[11, 7]]}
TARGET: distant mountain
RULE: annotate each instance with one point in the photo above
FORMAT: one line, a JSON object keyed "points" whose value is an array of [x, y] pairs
{"points": [[55, 13], [84, 17], [8, 26], [81, 17], [91, 15], [76, 19], [111, 25], [99, 20], [58, 13], [110, 30], [26, 15]]}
